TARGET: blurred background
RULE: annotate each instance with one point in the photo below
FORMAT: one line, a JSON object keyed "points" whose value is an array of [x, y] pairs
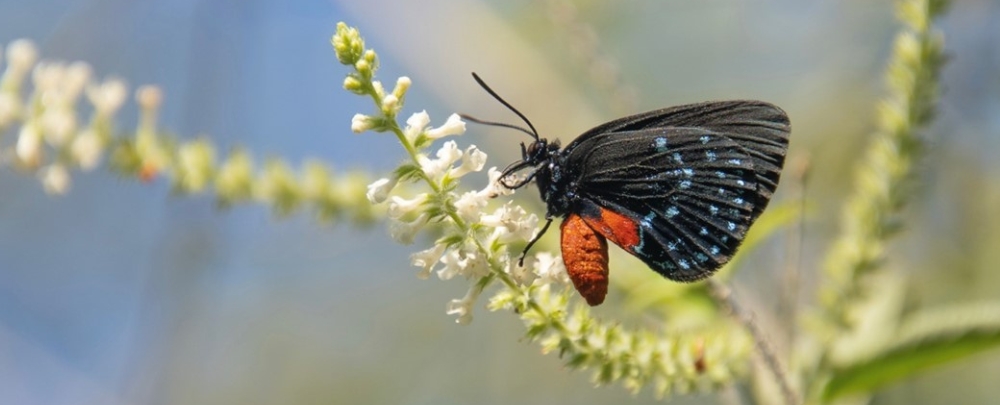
{"points": [[121, 293]]}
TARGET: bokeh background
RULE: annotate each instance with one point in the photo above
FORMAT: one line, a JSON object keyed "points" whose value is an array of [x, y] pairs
{"points": [[122, 293]]}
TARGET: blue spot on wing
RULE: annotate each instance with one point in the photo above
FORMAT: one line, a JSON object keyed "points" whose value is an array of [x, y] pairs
{"points": [[660, 143]]}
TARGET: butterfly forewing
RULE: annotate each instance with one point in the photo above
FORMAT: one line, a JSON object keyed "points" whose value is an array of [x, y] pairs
{"points": [[760, 128], [691, 192]]}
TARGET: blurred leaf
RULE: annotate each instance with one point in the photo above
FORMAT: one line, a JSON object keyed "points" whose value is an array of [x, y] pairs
{"points": [[927, 339], [770, 222]]}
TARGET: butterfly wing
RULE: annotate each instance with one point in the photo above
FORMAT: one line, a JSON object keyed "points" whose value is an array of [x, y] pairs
{"points": [[760, 128], [680, 199]]}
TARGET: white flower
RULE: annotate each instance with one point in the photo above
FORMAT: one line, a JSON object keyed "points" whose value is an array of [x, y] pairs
{"points": [[149, 97], [361, 123], [404, 232], [415, 125], [454, 264], [463, 307], [380, 189], [21, 54], [454, 126], [512, 223], [10, 108], [446, 156], [55, 179], [58, 124], [477, 266], [48, 76], [550, 269], [470, 206], [516, 270], [87, 149], [29, 146], [473, 161], [77, 76], [108, 96], [426, 259], [466, 262], [494, 189], [399, 206]]}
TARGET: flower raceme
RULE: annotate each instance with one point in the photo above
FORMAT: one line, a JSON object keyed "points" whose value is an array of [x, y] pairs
{"points": [[39, 101], [475, 237]]}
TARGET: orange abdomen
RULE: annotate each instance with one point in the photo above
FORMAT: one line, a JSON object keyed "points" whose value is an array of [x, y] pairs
{"points": [[585, 254]]}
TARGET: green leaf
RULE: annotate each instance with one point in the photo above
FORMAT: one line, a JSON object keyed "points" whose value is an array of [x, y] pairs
{"points": [[927, 339], [408, 172]]}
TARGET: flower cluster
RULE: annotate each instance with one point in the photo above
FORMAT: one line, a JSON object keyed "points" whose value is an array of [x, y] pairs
{"points": [[473, 239], [51, 139]]}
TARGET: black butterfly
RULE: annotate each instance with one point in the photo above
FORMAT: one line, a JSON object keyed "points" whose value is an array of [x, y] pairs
{"points": [[676, 187]]}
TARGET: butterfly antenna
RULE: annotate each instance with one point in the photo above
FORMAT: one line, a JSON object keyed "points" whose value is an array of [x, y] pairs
{"points": [[533, 133], [496, 124]]}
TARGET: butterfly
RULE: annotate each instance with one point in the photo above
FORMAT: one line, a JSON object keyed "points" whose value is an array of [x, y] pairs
{"points": [[676, 187]]}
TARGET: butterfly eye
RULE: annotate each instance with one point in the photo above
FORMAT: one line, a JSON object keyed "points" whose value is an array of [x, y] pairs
{"points": [[533, 148]]}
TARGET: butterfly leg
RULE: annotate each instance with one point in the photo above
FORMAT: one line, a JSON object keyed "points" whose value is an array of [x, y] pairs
{"points": [[533, 240]]}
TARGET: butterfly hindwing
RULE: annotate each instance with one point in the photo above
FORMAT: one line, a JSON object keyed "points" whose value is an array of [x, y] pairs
{"points": [[682, 203]]}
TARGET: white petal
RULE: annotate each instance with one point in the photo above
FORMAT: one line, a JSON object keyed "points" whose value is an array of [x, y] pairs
{"points": [[473, 161], [454, 126], [416, 124], [399, 206], [379, 190], [470, 206], [454, 264], [446, 156], [494, 188], [404, 232], [426, 259], [463, 307], [550, 269]]}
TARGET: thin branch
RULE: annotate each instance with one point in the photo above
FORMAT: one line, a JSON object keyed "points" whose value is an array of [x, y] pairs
{"points": [[724, 296]]}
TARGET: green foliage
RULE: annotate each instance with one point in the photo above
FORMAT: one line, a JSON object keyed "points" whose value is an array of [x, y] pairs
{"points": [[927, 340]]}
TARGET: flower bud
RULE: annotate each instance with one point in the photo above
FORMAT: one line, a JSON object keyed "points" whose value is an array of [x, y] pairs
{"points": [[55, 179], [347, 44]]}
